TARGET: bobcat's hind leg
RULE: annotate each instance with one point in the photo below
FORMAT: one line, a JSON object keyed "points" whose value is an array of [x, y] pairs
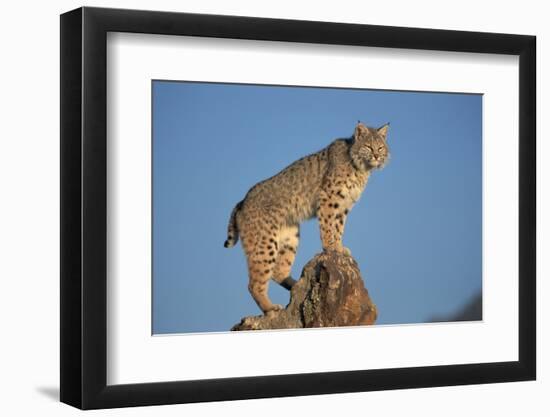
{"points": [[260, 248], [289, 238]]}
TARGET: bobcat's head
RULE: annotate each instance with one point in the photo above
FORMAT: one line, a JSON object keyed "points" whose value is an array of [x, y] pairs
{"points": [[369, 149]]}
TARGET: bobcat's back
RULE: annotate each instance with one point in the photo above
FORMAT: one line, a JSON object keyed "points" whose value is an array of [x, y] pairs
{"points": [[293, 191]]}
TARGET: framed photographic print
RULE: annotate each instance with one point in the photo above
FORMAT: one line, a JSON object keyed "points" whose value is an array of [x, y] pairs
{"points": [[258, 207]]}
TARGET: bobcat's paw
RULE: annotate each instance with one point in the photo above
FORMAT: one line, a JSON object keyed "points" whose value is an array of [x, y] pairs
{"points": [[343, 250], [273, 309]]}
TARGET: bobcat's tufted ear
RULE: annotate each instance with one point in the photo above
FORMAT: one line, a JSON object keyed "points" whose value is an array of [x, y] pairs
{"points": [[359, 130], [384, 130]]}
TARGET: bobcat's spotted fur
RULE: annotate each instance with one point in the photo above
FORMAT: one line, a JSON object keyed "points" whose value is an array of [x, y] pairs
{"points": [[325, 185]]}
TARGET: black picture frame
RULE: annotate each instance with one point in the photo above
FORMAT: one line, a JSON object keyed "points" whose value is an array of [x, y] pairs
{"points": [[84, 207]]}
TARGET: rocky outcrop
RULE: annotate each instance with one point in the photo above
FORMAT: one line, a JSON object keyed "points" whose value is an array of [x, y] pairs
{"points": [[330, 293]]}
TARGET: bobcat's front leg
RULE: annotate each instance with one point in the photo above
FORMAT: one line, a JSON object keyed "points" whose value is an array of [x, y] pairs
{"points": [[332, 216]]}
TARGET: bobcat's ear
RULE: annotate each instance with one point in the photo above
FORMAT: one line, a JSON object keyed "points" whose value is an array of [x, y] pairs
{"points": [[384, 130], [360, 128]]}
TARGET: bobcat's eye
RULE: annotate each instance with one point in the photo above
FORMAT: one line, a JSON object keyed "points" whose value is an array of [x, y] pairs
{"points": [[369, 148], [380, 149]]}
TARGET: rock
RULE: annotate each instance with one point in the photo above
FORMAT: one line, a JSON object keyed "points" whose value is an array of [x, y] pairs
{"points": [[330, 293]]}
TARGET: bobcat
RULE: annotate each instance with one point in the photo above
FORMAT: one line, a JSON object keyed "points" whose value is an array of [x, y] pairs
{"points": [[325, 185]]}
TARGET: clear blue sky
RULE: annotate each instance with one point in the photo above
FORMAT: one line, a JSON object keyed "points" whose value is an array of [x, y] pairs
{"points": [[415, 232]]}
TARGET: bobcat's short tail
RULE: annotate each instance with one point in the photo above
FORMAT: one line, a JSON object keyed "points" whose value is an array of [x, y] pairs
{"points": [[232, 229]]}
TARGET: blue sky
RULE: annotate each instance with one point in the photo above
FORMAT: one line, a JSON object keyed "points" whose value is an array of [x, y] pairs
{"points": [[415, 232]]}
